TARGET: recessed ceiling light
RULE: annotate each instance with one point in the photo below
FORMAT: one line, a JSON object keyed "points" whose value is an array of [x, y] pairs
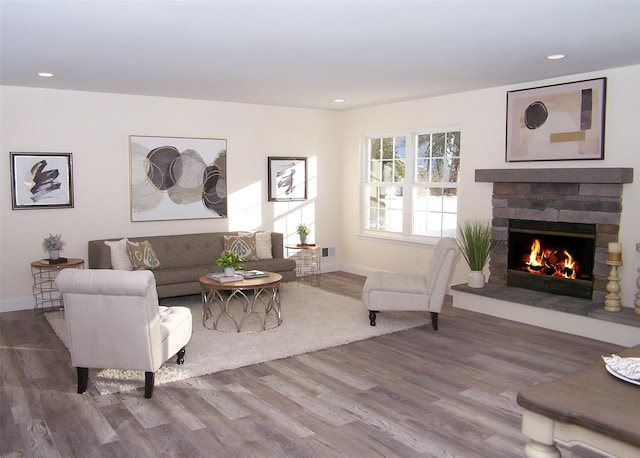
{"points": [[338, 100], [45, 74], [555, 56]]}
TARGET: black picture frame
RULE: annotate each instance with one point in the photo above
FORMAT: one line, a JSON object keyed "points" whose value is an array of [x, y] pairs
{"points": [[559, 122], [41, 180], [287, 178]]}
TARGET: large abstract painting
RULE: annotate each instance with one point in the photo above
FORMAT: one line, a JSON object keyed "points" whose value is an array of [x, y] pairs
{"points": [[177, 178], [559, 122], [41, 180]]}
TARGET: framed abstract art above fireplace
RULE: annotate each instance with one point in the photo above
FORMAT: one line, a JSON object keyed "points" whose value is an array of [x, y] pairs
{"points": [[177, 178], [559, 122]]}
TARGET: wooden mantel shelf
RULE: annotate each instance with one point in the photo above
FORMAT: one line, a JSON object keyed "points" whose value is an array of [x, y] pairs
{"points": [[556, 175]]}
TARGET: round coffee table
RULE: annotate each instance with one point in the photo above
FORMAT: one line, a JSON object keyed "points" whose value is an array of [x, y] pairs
{"points": [[249, 305]]}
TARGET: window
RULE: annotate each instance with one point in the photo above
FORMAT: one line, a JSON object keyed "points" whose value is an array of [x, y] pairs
{"points": [[411, 184]]}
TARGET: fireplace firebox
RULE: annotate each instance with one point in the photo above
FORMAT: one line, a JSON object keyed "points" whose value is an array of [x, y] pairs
{"points": [[555, 257]]}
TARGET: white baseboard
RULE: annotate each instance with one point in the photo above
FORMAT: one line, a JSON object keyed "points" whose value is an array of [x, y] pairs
{"points": [[15, 305]]}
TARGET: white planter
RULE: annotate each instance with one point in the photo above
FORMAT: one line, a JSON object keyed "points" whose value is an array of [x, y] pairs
{"points": [[475, 279], [229, 271], [54, 254]]}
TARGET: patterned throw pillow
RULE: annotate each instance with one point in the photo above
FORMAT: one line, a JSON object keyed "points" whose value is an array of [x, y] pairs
{"points": [[263, 245], [119, 257], [244, 244], [142, 256]]}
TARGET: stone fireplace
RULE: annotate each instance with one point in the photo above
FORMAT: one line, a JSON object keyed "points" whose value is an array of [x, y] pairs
{"points": [[584, 203]]}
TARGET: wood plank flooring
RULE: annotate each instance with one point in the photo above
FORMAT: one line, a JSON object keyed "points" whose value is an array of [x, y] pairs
{"points": [[416, 393]]}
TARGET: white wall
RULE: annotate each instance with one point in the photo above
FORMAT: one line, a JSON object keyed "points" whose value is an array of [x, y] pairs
{"points": [[95, 128], [481, 116]]}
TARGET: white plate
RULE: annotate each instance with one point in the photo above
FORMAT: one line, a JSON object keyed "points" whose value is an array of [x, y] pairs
{"points": [[620, 376]]}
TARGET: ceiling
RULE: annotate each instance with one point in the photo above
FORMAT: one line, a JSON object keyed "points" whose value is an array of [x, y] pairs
{"points": [[308, 53]]}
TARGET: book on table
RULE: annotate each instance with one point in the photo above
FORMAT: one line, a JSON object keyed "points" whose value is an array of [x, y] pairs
{"points": [[54, 261], [220, 276], [251, 273]]}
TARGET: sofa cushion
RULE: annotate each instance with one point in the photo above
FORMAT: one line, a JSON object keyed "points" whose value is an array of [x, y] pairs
{"points": [[119, 256], [272, 265], [244, 244], [263, 245], [173, 275], [142, 256]]}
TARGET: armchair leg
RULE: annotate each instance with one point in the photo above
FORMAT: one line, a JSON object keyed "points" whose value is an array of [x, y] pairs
{"points": [[434, 320], [149, 379], [181, 353], [372, 317], [83, 378]]}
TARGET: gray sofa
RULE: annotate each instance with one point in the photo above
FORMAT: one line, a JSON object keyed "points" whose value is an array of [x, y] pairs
{"points": [[185, 258]]}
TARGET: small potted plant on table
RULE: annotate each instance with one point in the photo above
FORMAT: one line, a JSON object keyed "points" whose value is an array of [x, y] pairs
{"points": [[53, 245], [229, 261], [303, 231]]}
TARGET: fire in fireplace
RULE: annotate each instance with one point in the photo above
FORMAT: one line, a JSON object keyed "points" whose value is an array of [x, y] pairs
{"points": [[555, 257]]}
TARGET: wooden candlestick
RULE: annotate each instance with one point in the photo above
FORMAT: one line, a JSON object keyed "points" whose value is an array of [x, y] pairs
{"points": [[612, 301]]}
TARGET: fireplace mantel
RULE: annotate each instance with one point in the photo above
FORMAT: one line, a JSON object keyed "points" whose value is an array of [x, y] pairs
{"points": [[556, 175]]}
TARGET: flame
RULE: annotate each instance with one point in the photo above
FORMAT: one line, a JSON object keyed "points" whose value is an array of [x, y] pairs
{"points": [[533, 257], [544, 261], [569, 262]]}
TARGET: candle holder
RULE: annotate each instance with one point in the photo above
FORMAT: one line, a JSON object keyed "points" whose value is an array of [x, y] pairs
{"points": [[612, 301]]}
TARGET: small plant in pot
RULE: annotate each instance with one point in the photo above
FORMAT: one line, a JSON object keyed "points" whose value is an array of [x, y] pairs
{"points": [[230, 261], [53, 245], [303, 231], [476, 244]]}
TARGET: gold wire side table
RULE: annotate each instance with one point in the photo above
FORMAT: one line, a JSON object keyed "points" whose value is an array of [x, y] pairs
{"points": [[44, 287], [308, 262]]}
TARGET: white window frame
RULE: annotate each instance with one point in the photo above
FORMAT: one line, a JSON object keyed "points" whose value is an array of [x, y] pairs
{"points": [[409, 184]]}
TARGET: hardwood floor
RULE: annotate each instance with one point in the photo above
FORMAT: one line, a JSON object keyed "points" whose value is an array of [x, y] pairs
{"points": [[408, 394]]}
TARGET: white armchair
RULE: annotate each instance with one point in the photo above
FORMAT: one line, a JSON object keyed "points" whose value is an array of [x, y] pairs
{"points": [[410, 292], [115, 321]]}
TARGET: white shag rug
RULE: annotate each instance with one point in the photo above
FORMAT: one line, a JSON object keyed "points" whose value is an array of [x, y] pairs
{"points": [[312, 319]]}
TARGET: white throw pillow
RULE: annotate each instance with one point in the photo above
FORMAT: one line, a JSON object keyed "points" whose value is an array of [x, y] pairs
{"points": [[263, 245], [119, 256]]}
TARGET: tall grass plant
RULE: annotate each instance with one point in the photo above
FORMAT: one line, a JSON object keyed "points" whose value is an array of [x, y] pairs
{"points": [[476, 243]]}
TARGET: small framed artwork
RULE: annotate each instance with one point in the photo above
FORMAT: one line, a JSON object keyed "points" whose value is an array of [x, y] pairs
{"points": [[287, 179], [41, 180], [557, 123]]}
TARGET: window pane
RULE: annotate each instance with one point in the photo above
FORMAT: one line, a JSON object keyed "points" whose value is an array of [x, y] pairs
{"points": [[437, 145], [423, 143], [434, 224], [450, 200], [385, 208], [434, 211], [449, 224], [387, 159], [438, 157], [375, 173], [375, 148]]}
